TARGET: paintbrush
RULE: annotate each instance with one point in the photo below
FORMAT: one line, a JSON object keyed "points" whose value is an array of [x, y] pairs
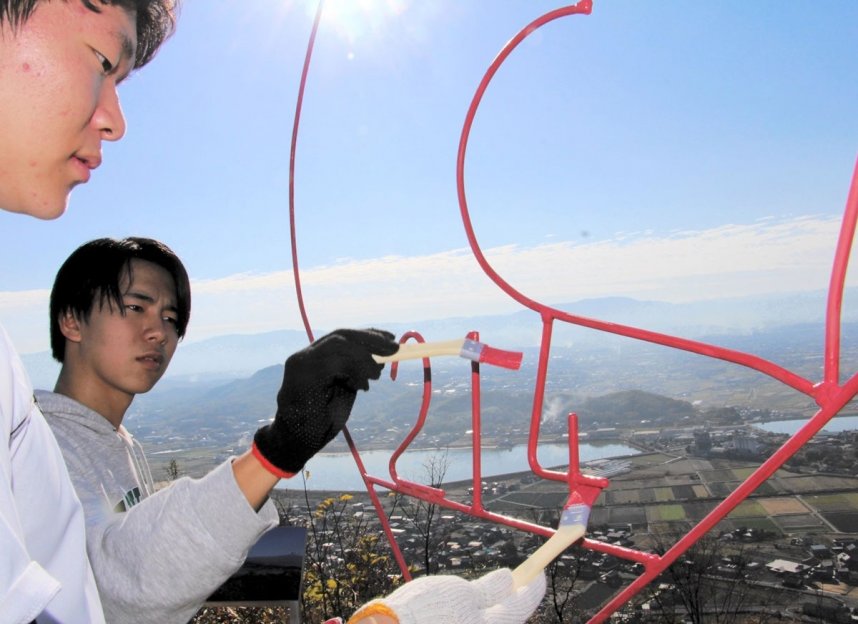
{"points": [[463, 347], [573, 525], [583, 492]]}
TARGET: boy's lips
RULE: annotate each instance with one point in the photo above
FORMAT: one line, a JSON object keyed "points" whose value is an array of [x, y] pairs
{"points": [[85, 163], [153, 360]]}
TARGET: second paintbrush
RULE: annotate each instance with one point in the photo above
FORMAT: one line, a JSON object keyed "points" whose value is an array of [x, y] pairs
{"points": [[463, 347]]}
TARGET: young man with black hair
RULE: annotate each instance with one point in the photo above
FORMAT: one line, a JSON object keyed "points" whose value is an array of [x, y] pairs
{"points": [[118, 310], [60, 64]]}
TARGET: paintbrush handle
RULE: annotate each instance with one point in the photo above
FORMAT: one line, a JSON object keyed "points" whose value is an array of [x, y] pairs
{"points": [[418, 350], [545, 554]]}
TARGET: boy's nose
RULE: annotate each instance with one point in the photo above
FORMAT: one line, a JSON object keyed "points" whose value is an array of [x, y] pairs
{"points": [[156, 332], [108, 117]]}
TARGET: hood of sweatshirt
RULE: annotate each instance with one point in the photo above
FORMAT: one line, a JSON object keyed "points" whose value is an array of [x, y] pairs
{"points": [[59, 406]]}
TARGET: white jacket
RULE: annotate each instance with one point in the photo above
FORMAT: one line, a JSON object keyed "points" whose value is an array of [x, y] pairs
{"points": [[44, 571]]}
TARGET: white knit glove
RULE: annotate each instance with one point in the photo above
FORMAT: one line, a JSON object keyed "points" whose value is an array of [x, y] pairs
{"points": [[449, 599]]}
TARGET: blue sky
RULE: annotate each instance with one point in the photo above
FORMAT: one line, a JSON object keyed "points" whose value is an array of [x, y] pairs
{"points": [[674, 150]]}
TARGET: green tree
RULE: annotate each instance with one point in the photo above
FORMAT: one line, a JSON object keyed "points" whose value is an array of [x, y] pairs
{"points": [[172, 470]]}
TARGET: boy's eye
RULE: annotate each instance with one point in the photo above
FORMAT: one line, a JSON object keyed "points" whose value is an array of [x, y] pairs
{"points": [[133, 307], [170, 319], [106, 65]]}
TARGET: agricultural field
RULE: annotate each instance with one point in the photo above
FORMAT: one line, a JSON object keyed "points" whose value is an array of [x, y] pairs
{"points": [[782, 506], [700, 491], [742, 473], [798, 522], [623, 497], [684, 492], [845, 522], [663, 494], [665, 513], [809, 484], [721, 489], [749, 509], [718, 475], [696, 511], [841, 501], [650, 497], [625, 515]]}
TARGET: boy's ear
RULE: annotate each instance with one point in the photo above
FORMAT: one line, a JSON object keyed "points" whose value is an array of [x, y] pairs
{"points": [[70, 326]]}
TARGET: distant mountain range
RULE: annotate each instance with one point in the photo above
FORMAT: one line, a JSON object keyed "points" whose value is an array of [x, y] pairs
{"points": [[739, 321], [219, 391]]}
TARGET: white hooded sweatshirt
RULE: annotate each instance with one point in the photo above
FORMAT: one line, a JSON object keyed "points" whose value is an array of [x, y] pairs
{"points": [[44, 572]]}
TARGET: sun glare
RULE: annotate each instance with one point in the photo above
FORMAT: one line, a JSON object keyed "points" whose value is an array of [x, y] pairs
{"points": [[356, 20]]}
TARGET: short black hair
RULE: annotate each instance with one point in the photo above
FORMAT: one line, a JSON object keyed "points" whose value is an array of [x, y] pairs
{"points": [[156, 20], [93, 273]]}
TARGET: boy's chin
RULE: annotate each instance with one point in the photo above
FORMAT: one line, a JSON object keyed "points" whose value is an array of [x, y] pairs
{"points": [[55, 210], [145, 388], [45, 209], [138, 386]]}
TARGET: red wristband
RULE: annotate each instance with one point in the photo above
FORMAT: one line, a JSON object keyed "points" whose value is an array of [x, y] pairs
{"points": [[282, 474]]}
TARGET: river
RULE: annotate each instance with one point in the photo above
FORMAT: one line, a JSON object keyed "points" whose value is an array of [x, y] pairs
{"points": [[835, 425], [338, 472]]}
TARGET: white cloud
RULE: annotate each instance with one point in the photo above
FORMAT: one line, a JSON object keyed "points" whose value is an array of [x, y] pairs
{"points": [[729, 261]]}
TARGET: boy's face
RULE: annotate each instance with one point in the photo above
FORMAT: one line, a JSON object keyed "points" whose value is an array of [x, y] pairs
{"points": [[116, 356], [58, 100]]}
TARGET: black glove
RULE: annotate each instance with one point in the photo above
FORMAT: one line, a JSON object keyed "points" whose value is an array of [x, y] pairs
{"points": [[320, 385]]}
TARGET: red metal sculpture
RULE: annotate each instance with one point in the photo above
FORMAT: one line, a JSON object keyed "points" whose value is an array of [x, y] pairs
{"points": [[829, 393]]}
